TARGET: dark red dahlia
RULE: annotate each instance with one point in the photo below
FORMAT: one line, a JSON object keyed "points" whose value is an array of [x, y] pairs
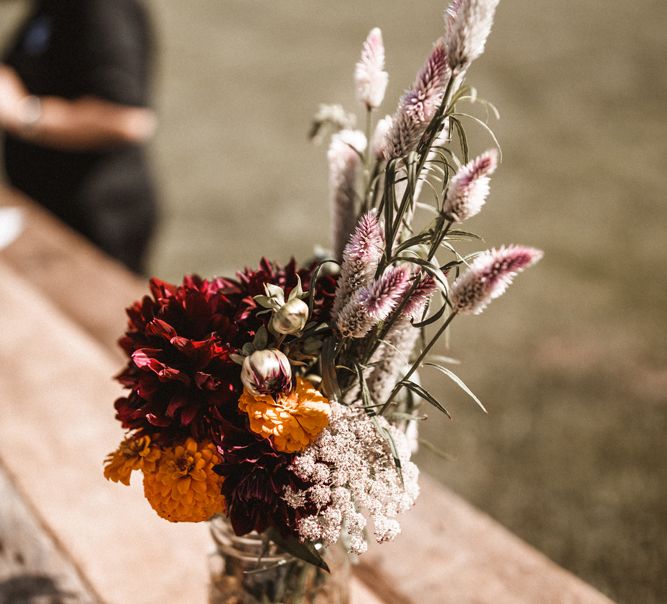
{"points": [[255, 476], [181, 378]]}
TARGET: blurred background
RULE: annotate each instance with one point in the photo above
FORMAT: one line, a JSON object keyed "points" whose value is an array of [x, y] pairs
{"points": [[571, 363]]}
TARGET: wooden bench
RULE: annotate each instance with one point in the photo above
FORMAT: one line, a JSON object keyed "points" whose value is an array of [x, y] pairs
{"points": [[61, 311]]}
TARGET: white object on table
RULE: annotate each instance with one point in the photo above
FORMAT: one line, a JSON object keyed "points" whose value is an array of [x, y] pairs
{"points": [[11, 225]]}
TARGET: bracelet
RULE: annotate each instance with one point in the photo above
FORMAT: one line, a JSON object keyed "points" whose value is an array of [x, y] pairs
{"points": [[29, 113]]}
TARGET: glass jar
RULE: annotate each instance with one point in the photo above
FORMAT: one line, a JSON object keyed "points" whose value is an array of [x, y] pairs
{"points": [[250, 570]]}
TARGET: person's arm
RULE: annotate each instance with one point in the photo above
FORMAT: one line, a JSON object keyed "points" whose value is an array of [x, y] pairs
{"points": [[87, 123]]}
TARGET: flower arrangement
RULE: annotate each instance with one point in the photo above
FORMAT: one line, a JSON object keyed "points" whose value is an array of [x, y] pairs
{"points": [[286, 399]]}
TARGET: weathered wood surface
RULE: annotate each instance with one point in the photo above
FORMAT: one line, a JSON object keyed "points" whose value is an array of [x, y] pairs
{"points": [[449, 552], [86, 285], [33, 568]]}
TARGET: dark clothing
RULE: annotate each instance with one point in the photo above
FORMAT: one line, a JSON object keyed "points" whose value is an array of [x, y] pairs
{"points": [[72, 49]]}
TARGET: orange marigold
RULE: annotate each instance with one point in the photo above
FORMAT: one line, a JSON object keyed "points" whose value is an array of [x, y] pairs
{"points": [[292, 420], [134, 453], [183, 487]]}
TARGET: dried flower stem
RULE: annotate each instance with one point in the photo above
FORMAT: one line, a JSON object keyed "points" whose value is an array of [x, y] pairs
{"points": [[418, 362]]}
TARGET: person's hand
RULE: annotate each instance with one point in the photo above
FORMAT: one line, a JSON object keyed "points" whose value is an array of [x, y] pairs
{"points": [[12, 91]]}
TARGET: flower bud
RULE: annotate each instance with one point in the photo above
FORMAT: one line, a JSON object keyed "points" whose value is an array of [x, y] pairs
{"points": [[291, 317], [266, 372]]}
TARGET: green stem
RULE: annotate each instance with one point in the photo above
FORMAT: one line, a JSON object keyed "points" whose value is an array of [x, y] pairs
{"points": [[367, 159], [418, 362]]}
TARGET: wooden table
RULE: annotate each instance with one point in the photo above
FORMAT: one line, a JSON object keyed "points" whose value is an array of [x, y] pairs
{"points": [[65, 530]]}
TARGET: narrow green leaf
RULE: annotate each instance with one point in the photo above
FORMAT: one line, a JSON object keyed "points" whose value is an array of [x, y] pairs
{"points": [[441, 358], [330, 386], [463, 139], [459, 382], [420, 391], [488, 129], [434, 449], [303, 551], [366, 399], [467, 234]]}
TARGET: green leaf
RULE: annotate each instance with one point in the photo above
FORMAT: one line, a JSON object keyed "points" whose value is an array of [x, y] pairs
{"points": [[297, 290], [464, 234], [441, 358], [463, 139], [261, 338], [432, 319], [420, 391], [408, 416], [489, 131], [440, 278], [330, 386], [303, 551], [459, 382], [366, 399], [434, 449]]}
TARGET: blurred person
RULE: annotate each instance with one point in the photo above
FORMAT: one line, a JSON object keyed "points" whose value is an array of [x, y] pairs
{"points": [[74, 106]]}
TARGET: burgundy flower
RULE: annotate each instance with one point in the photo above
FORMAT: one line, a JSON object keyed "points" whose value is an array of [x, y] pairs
{"points": [[255, 476], [181, 378]]}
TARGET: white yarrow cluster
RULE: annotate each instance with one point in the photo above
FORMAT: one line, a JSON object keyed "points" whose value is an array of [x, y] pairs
{"points": [[354, 473]]}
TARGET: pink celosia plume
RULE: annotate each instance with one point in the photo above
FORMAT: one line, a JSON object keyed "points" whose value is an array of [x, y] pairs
{"points": [[418, 105], [489, 276], [369, 76], [380, 137], [419, 298], [380, 298], [360, 259], [468, 25], [469, 188], [345, 166], [391, 357], [373, 303]]}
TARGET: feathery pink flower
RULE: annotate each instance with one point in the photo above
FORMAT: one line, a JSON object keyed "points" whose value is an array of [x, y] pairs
{"points": [[390, 358], [345, 166], [418, 105], [469, 188], [489, 276], [373, 303], [360, 259], [379, 141], [420, 297], [468, 24], [369, 75]]}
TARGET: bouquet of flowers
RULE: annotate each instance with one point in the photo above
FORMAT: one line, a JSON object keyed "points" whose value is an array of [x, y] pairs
{"points": [[285, 399]]}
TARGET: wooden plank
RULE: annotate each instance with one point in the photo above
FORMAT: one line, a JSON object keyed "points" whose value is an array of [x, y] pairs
{"points": [[32, 566], [85, 284], [449, 553], [57, 427]]}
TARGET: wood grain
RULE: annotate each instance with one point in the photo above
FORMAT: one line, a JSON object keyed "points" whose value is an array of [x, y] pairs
{"points": [[32, 564]]}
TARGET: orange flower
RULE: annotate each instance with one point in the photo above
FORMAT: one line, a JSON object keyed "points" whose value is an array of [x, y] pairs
{"points": [[184, 487], [134, 453], [292, 420]]}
